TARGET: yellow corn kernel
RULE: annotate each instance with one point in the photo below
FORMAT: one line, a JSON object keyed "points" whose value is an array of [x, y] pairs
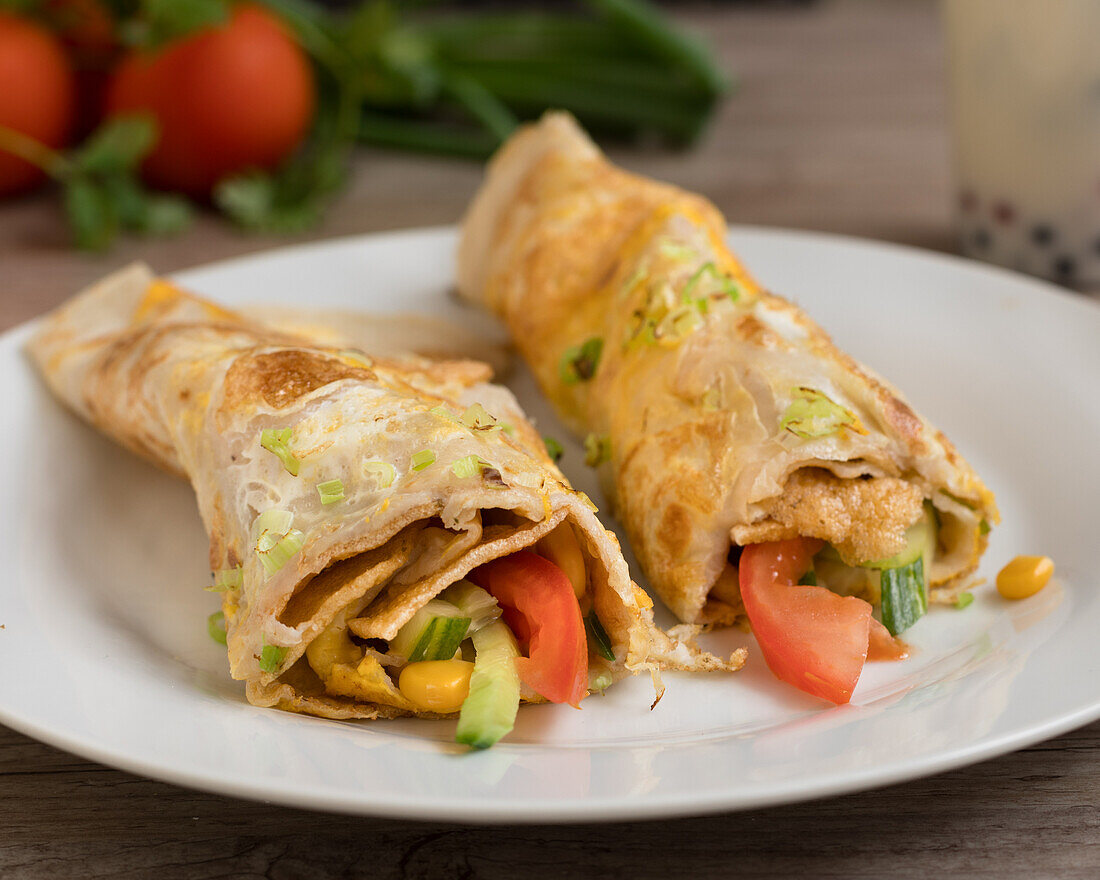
{"points": [[1024, 576], [436, 685], [561, 548]]}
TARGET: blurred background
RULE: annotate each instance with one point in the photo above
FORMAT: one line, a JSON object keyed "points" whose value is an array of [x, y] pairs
{"points": [[183, 131]]}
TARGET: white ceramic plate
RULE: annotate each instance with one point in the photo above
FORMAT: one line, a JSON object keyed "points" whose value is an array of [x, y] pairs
{"points": [[104, 649]]}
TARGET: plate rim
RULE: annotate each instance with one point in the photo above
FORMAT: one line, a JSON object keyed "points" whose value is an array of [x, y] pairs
{"points": [[592, 808]]}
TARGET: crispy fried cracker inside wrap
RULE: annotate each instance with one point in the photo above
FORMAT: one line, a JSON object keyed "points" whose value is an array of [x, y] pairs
{"points": [[720, 415], [378, 527]]}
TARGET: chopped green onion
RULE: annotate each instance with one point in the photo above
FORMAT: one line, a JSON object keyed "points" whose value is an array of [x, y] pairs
{"points": [[553, 449], [444, 413], [597, 450], [469, 466], [331, 491], [276, 541], [422, 459], [677, 324], [963, 600], [600, 640], [696, 277], [720, 285], [477, 418], [277, 442], [601, 681], [640, 274], [579, 362], [226, 579], [384, 472], [215, 625], [271, 657], [812, 414], [983, 526], [677, 251]]}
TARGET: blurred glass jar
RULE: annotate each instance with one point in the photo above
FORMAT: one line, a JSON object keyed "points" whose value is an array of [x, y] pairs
{"points": [[1025, 120]]}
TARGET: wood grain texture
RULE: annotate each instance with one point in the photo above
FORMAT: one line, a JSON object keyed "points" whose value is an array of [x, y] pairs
{"points": [[838, 125]]}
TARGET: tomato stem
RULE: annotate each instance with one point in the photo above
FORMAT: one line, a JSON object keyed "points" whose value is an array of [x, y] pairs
{"points": [[34, 151]]}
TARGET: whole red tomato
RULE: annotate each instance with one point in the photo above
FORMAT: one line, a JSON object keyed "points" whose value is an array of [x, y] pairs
{"points": [[36, 95], [227, 99]]}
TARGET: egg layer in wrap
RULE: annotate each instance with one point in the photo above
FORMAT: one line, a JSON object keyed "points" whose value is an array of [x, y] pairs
{"points": [[720, 414], [193, 387]]}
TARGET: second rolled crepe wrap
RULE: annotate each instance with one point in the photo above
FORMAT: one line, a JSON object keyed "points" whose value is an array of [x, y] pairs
{"points": [[378, 484], [719, 414]]}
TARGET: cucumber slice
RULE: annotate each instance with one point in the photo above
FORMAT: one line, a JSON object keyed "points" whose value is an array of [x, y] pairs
{"points": [[489, 712], [473, 602], [433, 633], [920, 540], [904, 596]]}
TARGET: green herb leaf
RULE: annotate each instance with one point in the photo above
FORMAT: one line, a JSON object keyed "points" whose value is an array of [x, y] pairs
{"points": [[117, 145], [600, 640], [160, 21], [91, 216]]}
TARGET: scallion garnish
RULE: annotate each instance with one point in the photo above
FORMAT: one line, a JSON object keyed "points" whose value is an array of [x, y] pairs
{"points": [[331, 491], [677, 251], [579, 362], [443, 413], [215, 625], [422, 459], [983, 526], [382, 471], [597, 450], [812, 414], [553, 449], [226, 579], [963, 600], [277, 442], [276, 541], [477, 418], [469, 466], [271, 657]]}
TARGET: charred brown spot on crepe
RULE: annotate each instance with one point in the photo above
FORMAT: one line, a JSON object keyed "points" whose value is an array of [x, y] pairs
{"points": [[280, 378]]}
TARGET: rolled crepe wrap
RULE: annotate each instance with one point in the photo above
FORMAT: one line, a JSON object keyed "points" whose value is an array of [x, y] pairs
{"points": [[192, 387], [726, 416]]}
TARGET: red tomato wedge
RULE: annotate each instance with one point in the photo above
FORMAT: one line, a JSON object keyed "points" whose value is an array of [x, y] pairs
{"points": [[539, 603], [810, 637]]}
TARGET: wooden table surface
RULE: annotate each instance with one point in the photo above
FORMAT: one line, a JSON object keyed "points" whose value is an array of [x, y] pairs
{"points": [[839, 125]]}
